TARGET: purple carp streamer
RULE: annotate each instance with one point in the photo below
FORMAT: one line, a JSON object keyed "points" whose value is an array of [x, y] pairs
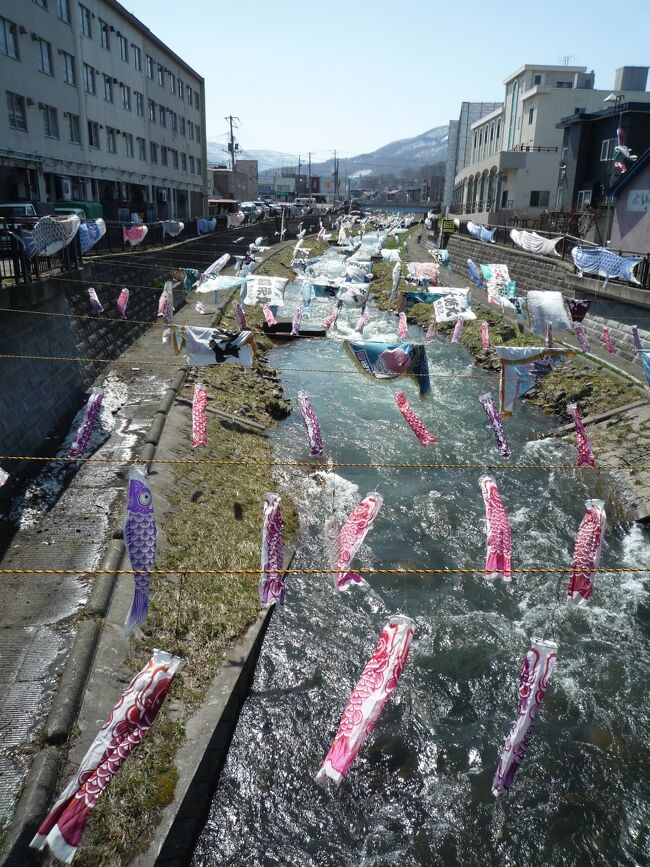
{"points": [[535, 677], [548, 336], [413, 420], [474, 274], [607, 340], [402, 327], [166, 304], [200, 308], [458, 330], [585, 451], [432, 330], [397, 276], [636, 340], [353, 532], [496, 423], [485, 336], [122, 301], [268, 315], [239, 316], [295, 322], [123, 730], [583, 340], [95, 303], [378, 680], [498, 562], [140, 541], [272, 585], [85, 430], [578, 308], [312, 426], [586, 554], [199, 413]]}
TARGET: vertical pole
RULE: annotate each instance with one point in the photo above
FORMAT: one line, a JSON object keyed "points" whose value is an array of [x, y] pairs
{"points": [[297, 185], [309, 183]]}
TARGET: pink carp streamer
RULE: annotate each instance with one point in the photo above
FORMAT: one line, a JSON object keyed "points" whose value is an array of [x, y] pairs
{"points": [[586, 554], [583, 340], [272, 586], [458, 330], [311, 425], [95, 303], [85, 430], [432, 330], [607, 340], [166, 304], [485, 336], [636, 340], [498, 562], [548, 335], [200, 308], [268, 315], [331, 319], [536, 674], [402, 326], [496, 423], [140, 535], [353, 532], [122, 301], [295, 322], [378, 680], [199, 416], [585, 451], [362, 321], [124, 729], [414, 420], [239, 316]]}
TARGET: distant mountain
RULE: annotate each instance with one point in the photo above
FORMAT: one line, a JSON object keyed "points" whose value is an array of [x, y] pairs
{"points": [[420, 150]]}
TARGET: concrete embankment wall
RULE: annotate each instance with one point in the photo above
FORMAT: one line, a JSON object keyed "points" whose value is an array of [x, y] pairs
{"points": [[616, 306]]}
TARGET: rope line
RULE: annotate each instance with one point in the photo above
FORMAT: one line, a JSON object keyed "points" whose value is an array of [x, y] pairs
{"points": [[467, 570]]}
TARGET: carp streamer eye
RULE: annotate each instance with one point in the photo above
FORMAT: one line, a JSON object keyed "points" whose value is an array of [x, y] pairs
{"points": [[144, 498]]}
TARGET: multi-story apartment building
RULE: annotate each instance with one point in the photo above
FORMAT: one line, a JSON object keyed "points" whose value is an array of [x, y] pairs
{"points": [[516, 148], [240, 185], [459, 143], [97, 109]]}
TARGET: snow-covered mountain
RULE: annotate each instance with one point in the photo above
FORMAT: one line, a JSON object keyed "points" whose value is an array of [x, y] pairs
{"points": [[424, 149]]}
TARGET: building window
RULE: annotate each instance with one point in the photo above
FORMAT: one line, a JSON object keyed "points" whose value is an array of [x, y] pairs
{"points": [[149, 66], [606, 149], [89, 79], [175, 159], [124, 47], [41, 3], [564, 84], [44, 57], [8, 41], [68, 68], [111, 140], [537, 79], [142, 153], [153, 150], [108, 88], [126, 97], [152, 111], [191, 165], [139, 103], [531, 115], [197, 133], [85, 21], [584, 199], [128, 144], [63, 9], [184, 162], [161, 76], [51, 122], [104, 35], [93, 134], [196, 100], [16, 108], [190, 130], [198, 166], [182, 126], [163, 155], [162, 115], [174, 121], [539, 198], [189, 95], [181, 89], [74, 129], [137, 57], [172, 83]]}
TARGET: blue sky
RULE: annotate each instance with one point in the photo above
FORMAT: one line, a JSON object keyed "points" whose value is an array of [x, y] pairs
{"points": [[356, 75]]}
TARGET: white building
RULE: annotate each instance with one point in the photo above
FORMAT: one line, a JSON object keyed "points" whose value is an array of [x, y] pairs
{"points": [[459, 143], [515, 149], [98, 109]]}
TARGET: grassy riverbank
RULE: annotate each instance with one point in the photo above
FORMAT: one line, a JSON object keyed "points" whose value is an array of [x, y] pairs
{"points": [[213, 520]]}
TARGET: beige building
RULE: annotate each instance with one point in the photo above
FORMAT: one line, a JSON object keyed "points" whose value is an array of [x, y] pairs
{"points": [[515, 149], [98, 109], [240, 185]]}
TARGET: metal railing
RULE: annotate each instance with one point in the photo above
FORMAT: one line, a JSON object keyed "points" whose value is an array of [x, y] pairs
{"points": [[538, 149], [17, 267]]}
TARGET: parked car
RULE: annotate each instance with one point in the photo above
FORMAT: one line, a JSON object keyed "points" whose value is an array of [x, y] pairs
{"points": [[66, 212], [10, 214]]}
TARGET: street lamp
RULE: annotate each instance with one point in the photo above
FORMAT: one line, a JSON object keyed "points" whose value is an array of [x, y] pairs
{"points": [[613, 100]]}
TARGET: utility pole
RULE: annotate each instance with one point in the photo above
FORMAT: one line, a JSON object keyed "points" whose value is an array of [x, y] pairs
{"points": [[297, 184], [336, 177], [309, 181], [231, 143]]}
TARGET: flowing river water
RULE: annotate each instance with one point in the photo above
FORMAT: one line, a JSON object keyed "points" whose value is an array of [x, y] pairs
{"points": [[419, 792]]}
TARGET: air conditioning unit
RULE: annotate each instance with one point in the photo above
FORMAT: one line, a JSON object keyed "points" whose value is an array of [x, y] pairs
{"points": [[163, 195], [66, 189]]}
